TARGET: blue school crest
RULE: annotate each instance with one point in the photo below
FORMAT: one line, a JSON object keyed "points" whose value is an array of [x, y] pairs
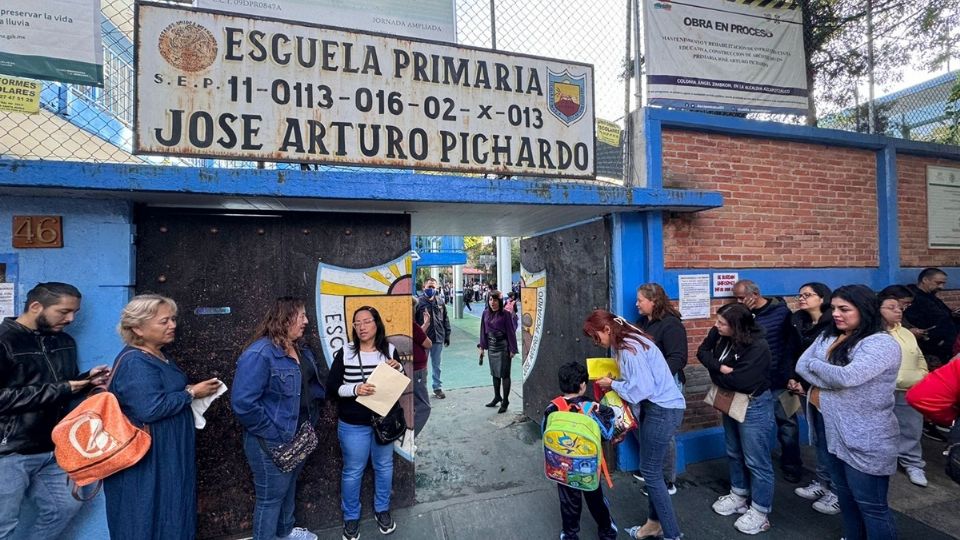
{"points": [[566, 96]]}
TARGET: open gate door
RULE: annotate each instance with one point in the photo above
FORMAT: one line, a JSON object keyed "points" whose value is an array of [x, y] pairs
{"points": [[224, 271], [565, 274]]}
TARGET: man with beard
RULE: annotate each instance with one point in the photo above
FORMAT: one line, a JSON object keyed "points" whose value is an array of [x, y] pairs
{"points": [[39, 383], [932, 320]]}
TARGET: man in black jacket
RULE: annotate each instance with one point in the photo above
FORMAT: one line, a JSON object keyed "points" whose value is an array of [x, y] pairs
{"points": [[39, 380], [438, 331], [932, 320], [773, 315]]}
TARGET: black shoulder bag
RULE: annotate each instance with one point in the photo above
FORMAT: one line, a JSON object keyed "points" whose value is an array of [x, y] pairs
{"points": [[390, 427]]}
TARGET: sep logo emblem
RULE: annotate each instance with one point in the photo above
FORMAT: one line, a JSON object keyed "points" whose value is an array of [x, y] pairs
{"points": [[89, 439]]}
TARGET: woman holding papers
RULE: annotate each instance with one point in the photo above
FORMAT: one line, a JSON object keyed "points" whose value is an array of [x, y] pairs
{"points": [[648, 386], [276, 396], [352, 366], [156, 498]]}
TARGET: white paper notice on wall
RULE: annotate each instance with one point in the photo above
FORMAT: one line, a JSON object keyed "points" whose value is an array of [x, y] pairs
{"points": [[7, 308], [723, 284], [695, 296]]}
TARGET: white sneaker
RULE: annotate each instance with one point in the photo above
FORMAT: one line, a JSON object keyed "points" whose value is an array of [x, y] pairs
{"points": [[753, 522], [812, 492], [638, 476], [730, 504], [917, 476], [828, 504], [299, 533]]}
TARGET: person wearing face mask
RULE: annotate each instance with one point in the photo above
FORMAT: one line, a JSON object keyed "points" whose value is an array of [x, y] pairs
{"points": [[276, 395], [438, 331]]}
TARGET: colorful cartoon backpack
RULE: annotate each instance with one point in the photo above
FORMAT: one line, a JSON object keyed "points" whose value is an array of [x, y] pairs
{"points": [[571, 447]]}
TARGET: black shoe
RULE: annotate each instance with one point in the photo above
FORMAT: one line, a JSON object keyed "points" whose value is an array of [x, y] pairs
{"points": [[791, 476], [439, 394], [386, 523], [930, 431], [503, 407], [351, 529], [495, 401]]}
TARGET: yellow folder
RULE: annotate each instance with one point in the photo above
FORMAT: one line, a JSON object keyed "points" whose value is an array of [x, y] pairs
{"points": [[602, 367]]}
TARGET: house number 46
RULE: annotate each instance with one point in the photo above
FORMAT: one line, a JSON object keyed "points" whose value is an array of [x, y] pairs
{"points": [[37, 232]]}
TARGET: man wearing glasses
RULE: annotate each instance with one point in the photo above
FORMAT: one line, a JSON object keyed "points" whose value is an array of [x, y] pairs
{"points": [[438, 329], [773, 315]]}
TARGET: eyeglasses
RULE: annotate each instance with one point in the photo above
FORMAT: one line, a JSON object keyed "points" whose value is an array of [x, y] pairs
{"points": [[359, 324], [804, 296]]}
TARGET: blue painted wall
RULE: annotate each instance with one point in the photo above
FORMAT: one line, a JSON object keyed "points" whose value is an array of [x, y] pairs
{"points": [[98, 257]]}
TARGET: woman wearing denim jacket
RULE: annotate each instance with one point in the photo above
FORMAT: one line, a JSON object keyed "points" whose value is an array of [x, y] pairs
{"points": [[648, 386], [736, 355], [276, 389]]}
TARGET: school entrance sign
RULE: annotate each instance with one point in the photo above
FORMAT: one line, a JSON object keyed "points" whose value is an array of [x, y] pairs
{"points": [[215, 85], [726, 55]]}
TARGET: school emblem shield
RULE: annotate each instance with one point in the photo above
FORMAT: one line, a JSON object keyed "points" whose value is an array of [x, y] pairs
{"points": [[566, 96]]}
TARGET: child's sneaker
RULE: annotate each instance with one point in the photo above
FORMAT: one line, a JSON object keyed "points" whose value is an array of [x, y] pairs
{"points": [[351, 529], [811, 492], [753, 522], [385, 522], [730, 504], [828, 504]]}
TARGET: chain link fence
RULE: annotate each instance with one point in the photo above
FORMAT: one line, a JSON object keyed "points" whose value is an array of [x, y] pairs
{"points": [[80, 123]]}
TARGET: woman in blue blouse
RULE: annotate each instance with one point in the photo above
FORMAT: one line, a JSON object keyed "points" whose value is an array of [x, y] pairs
{"points": [[498, 336], [156, 498], [275, 393], [648, 386]]}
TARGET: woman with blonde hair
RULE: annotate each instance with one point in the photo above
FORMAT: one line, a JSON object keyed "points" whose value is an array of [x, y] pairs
{"points": [[157, 497]]}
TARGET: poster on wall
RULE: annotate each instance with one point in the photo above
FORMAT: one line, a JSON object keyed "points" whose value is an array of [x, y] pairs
{"points": [[723, 284], [943, 208], [694, 296], [7, 307], [387, 288], [53, 40], [421, 19], [231, 87], [726, 55]]}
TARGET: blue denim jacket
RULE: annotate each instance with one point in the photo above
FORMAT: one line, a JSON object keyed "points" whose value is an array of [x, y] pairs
{"points": [[266, 391]]}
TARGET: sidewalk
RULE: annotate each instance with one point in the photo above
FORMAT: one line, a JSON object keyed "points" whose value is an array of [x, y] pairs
{"points": [[479, 476]]}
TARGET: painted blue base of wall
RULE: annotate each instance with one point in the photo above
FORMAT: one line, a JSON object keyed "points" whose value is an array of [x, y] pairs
{"points": [[694, 447], [97, 257]]}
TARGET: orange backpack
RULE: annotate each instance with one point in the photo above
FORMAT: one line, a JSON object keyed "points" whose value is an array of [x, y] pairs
{"points": [[96, 440]]}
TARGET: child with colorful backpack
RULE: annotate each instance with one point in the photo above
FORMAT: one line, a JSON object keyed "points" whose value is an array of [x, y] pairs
{"points": [[574, 459]]}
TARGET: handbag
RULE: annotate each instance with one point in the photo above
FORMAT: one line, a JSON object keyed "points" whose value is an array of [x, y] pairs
{"points": [[729, 402], [289, 456], [391, 427]]}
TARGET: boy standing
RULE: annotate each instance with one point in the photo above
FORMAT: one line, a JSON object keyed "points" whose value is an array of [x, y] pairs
{"points": [[573, 384]]}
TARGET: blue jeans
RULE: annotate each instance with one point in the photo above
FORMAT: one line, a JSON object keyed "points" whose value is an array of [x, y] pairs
{"points": [[748, 453], [788, 434], [275, 493], [435, 353], [863, 502], [36, 477], [358, 446], [657, 427], [820, 442]]}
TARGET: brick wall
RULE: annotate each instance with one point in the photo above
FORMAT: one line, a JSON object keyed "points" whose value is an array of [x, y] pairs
{"points": [[912, 199], [779, 197]]}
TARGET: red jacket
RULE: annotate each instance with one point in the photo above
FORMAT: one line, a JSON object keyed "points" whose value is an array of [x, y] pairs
{"points": [[937, 396]]}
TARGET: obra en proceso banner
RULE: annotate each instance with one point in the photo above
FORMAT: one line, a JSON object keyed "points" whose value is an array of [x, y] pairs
{"points": [[725, 56], [215, 85]]}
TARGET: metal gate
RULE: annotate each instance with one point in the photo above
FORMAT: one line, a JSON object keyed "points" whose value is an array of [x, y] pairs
{"points": [[224, 271]]}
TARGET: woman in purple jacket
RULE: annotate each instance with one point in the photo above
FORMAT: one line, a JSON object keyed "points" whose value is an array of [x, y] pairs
{"points": [[498, 337]]}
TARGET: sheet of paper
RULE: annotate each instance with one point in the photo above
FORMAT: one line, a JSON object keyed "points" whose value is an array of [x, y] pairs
{"points": [[7, 309], [390, 385], [695, 296]]}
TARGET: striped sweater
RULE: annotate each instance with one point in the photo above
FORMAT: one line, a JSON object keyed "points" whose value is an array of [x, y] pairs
{"points": [[348, 371]]}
